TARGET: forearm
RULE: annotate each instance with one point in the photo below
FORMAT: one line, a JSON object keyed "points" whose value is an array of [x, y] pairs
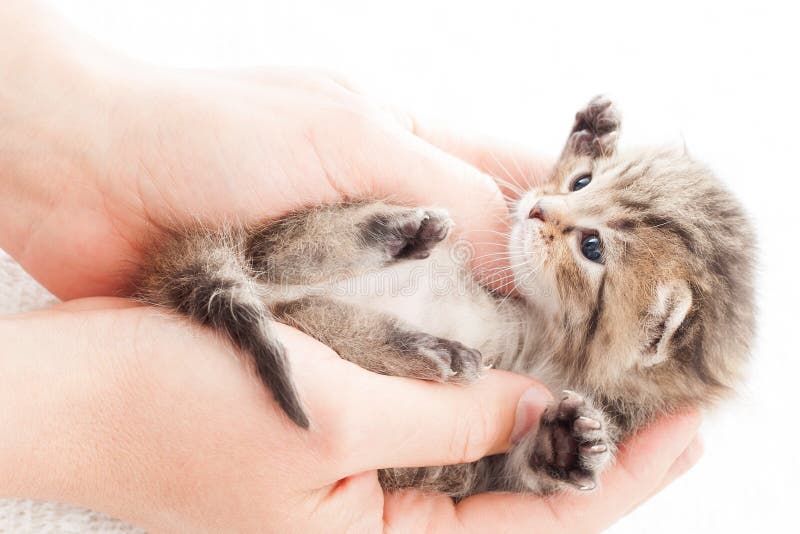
{"points": [[61, 402]]}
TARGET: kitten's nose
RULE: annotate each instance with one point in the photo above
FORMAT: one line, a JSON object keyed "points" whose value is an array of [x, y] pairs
{"points": [[537, 212]]}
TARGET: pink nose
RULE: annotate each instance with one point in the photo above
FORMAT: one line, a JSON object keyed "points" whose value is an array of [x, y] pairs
{"points": [[537, 212]]}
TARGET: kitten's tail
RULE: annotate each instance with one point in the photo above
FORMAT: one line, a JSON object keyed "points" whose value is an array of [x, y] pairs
{"points": [[216, 289]]}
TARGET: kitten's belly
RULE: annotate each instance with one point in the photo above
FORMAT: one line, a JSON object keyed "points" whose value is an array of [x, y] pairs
{"points": [[434, 295]]}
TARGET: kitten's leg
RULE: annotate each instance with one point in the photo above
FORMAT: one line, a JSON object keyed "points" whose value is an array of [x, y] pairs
{"points": [[340, 241], [573, 444], [458, 481], [205, 277], [381, 343], [595, 130], [211, 277]]}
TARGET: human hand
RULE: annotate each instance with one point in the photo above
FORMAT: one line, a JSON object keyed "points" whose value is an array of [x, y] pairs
{"points": [[126, 148], [119, 408], [98, 152]]}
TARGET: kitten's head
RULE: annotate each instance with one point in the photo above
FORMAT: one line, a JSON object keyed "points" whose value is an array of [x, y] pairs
{"points": [[643, 261]]}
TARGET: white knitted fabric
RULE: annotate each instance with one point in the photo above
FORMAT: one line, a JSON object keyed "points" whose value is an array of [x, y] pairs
{"points": [[19, 292]]}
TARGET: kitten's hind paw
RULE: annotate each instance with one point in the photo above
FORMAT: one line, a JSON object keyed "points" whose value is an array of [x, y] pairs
{"points": [[409, 233], [573, 444], [443, 360]]}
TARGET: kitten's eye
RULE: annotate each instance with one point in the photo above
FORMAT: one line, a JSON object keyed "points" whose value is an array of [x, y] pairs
{"points": [[592, 248], [581, 182]]}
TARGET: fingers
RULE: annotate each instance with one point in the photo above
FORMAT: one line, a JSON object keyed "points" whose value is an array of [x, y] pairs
{"points": [[408, 170], [474, 178], [646, 459], [643, 465], [685, 461], [514, 168], [288, 76], [369, 421], [94, 303]]}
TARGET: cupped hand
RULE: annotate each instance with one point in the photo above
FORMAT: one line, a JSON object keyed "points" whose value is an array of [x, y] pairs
{"points": [[145, 417], [129, 148]]}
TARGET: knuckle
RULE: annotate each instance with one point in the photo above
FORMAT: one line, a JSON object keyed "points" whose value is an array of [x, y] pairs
{"points": [[353, 118], [339, 79], [339, 434], [473, 435]]}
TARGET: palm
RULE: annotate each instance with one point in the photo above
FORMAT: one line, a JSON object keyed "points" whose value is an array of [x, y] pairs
{"points": [[238, 146]]}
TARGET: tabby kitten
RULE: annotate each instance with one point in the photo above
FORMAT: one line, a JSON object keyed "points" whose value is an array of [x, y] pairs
{"points": [[635, 278]]}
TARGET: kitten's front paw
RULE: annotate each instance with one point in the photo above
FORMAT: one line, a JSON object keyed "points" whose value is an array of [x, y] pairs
{"points": [[596, 128], [436, 358], [411, 233], [572, 444]]}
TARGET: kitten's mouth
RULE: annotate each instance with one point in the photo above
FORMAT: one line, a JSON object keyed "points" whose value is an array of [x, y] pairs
{"points": [[533, 239]]}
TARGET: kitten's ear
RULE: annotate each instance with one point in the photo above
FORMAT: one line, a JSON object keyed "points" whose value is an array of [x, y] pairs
{"points": [[595, 130], [672, 303]]}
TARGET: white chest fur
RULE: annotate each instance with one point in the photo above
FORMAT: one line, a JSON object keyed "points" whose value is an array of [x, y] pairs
{"points": [[435, 295]]}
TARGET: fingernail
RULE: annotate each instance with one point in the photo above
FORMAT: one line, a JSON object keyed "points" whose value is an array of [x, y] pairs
{"points": [[531, 404]]}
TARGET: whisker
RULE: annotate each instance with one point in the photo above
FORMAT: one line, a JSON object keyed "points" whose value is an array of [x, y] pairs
{"points": [[518, 188], [510, 186], [503, 250], [525, 178], [504, 234]]}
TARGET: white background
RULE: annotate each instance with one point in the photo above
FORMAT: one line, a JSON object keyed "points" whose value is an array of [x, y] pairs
{"points": [[719, 77]]}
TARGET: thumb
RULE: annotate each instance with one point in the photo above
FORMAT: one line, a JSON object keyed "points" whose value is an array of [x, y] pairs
{"points": [[374, 421], [413, 423]]}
